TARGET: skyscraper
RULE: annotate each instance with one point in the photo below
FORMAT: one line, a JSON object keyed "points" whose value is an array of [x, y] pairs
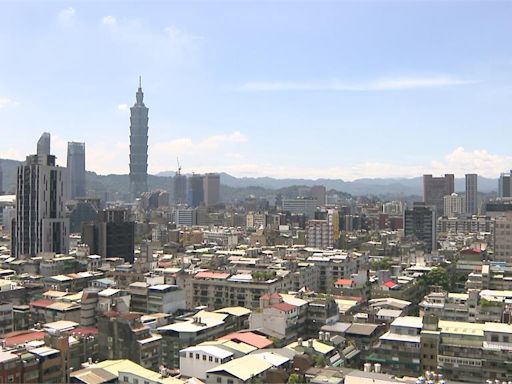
{"points": [[138, 146], [195, 190], [471, 193], [43, 144], [179, 184], [435, 189], [76, 169], [211, 187], [41, 224], [505, 185]]}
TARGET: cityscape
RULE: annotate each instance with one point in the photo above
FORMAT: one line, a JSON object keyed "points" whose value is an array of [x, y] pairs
{"points": [[226, 277]]}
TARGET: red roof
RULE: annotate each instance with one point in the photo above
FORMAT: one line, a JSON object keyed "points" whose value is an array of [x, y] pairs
{"points": [[43, 303], [22, 337], [212, 275], [390, 284], [275, 295], [85, 331], [250, 338], [285, 307], [344, 282], [265, 297]]}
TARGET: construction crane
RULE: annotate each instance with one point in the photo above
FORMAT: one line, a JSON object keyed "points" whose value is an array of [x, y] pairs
{"points": [[179, 167]]}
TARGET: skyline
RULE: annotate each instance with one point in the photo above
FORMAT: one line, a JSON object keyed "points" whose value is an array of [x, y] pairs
{"points": [[313, 77]]}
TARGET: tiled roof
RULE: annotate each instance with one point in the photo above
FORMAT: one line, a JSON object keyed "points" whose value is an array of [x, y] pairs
{"points": [[285, 307], [249, 338], [22, 337], [390, 284], [43, 303], [344, 282]]}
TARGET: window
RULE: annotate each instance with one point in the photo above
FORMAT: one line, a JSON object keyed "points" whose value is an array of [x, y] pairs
{"points": [[204, 357], [197, 356], [135, 381], [216, 359], [230, 381], [219, 380], [191, 355], [495, 338], [210, 358]]}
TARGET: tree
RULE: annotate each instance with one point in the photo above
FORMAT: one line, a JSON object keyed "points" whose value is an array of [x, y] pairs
{"points": [[294, 379], [383, 264], [437, 276]]}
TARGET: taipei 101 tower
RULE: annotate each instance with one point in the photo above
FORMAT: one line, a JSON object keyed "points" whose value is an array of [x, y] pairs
{"points": [[138, 146]]}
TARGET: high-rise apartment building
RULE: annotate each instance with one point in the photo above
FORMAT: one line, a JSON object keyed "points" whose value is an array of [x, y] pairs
{"points": [[505, 185], [471, 193], [138, 146], [195, 190], [113, 235], [454, 205], [41, 224], [420, 223], [211, 188], [76, 169], [179, 186], [435, 189]]}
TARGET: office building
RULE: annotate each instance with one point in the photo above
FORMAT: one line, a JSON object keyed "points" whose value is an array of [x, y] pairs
{"points": [[435, 189], [195, 190], [41, 223], [138, 146], [471, 194], [211, 188], [76, 169], [301, 206], [112, 235], [179, 186], [504, 185], [420, 224], [454, 205]]}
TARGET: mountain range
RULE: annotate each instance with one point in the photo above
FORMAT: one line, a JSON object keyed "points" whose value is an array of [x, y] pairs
{"points": [[390, 187]]}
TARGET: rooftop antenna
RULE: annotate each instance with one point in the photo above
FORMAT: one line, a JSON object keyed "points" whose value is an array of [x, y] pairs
{"points": [[140, 81], [179, 167]]}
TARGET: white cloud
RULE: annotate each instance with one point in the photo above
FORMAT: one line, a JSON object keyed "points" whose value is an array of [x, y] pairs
{"points": [[384, 84], [6, 102], [67, 15], [180, 37], [211, 143], [122, 107], [108, 20]]}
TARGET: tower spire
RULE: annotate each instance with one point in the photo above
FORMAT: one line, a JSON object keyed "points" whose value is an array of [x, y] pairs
{"points": [[140, 82]]}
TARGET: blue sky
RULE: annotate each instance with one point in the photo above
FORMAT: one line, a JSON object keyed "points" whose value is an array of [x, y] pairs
{"points": [[286, 89]]}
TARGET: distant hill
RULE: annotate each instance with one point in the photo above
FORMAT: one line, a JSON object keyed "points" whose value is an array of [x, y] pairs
{"points": [[238, 186], [359, 187]]}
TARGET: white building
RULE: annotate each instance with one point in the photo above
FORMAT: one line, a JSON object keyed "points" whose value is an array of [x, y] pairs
{"points": [[454, 205], [196, 361], [302, 206]]}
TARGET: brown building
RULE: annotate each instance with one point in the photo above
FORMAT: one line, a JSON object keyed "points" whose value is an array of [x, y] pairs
{"points": [[435, 189]]}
